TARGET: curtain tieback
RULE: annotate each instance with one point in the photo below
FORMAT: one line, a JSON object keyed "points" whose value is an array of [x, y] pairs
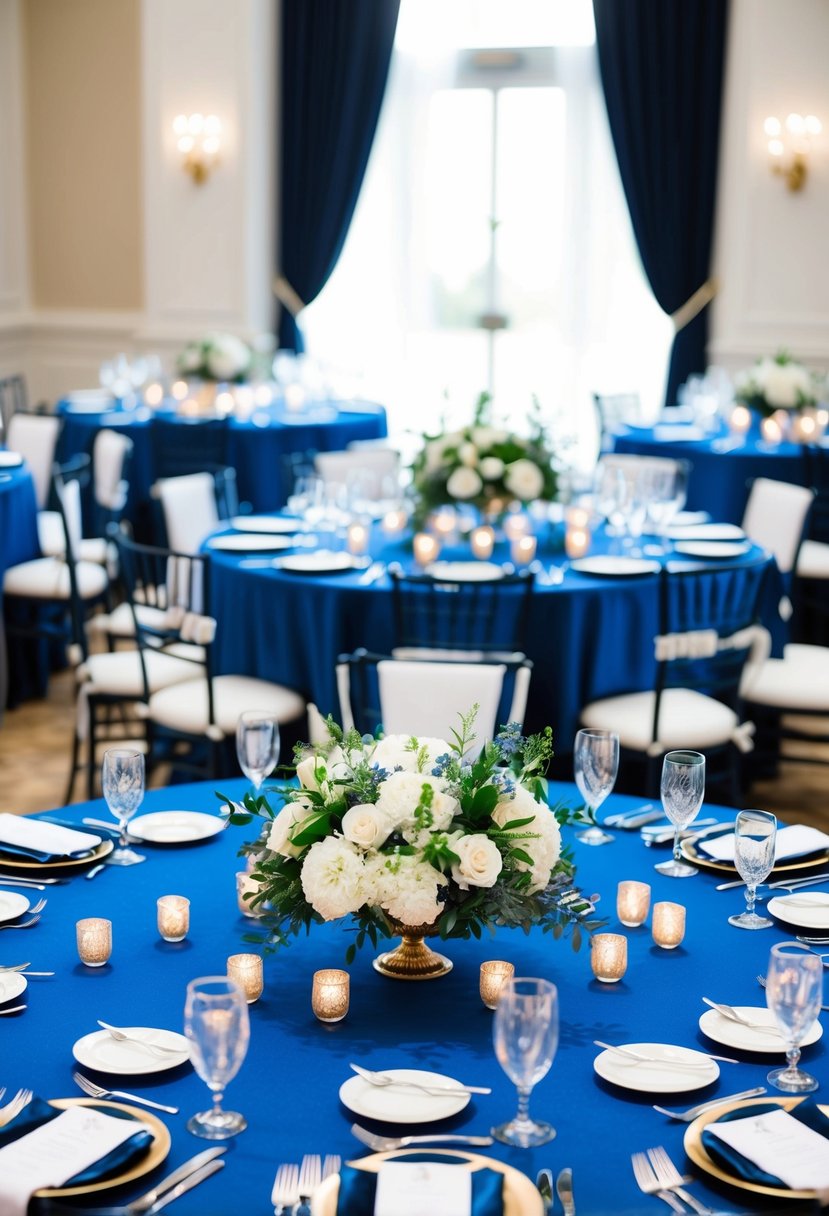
{"points": [[694, 305], [286, 295]]}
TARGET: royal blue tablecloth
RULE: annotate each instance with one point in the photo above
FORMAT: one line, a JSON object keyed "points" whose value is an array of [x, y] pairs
{"points": [[288, 1086], [28, 666]]}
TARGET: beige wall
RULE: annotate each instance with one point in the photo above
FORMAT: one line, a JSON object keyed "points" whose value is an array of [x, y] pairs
{"points": [[82, 61]]}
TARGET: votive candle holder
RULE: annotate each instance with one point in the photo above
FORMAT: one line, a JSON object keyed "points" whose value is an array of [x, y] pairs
{"points": [[609, 957], [357, 539], [247, 886], [330, 994], [576, 542], [173, 917], [523, 550], [393, 522], [444, 523], [740, 420], [246, 970], [94, 936], [668, 925], [633, 900], [425, 548], [482, 542], [493, 976], [516, 525]]}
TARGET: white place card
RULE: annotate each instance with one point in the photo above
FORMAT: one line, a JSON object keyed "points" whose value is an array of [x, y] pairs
{"points": [[409, 1188], [56, 1151], [780, 1145], [794, 841], [45, 837]]}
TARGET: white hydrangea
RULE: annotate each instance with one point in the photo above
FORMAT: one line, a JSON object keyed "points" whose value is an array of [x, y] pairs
{"points": [[786, 384], [407, 888], [480, 861], [393, 751], [463, 483], [227, 357], [333, 878], [435, 451], [400, 794], [366, 825], [491, 468], [544, 845], [485, 437], [524, 479]]}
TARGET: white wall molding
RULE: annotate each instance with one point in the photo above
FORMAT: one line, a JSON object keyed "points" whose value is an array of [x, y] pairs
{"points": [[14, 270]]}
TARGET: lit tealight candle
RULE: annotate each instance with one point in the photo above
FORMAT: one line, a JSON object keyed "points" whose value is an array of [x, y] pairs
{"points": [[246, 888], [493, 976], [576, 542], [633, 899], [180, 389], [94, 937], [444, 523], [394, 522], [522, 550], [263, 394], [516, 525], [329, 995], [771, 430], [225, 402], [804, 428], [740, 420], [482, 542], [668, 925], [577, 517], [426, 548], [609, 956], [173, 917], [246, 970], [294, 398], [357, 539], [154, 394]]}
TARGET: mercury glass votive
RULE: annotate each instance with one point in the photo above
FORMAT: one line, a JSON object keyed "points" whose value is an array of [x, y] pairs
{"points": [[633, 899], [393, 522], [94, 937], [246, 886], [522, 550], [246, 970], [771, 431], [740, 420], [173, 917], [329, 994], [357, 539], [444, 523], [668, 925], [577, 517], [609, 957], [482, 542], [576, 542], [516, 525], [493, 976], [154, 394], [425, 547]]}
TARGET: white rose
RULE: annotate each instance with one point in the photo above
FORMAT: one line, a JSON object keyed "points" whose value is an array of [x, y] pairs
{"points": [[400, 794], [333, 878], [463, 483], [540, 839], [366, 825], [487, 436], [480, 861], [468, 454], [781, 387], [227, 357], [408, 890], [392, 751], [524, 479], [292, 815], [306, 772], [491, 468]]}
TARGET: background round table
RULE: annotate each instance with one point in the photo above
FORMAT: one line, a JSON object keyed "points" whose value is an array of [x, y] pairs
{"points": [[27, 672]]}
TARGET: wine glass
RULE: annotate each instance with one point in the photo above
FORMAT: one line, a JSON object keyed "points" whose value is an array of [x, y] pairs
{"points": [[257, 745], [755, 833], [794, 991], [525, 1034], [123, 786], [596, 763], [217, 1027], [682, 792]]}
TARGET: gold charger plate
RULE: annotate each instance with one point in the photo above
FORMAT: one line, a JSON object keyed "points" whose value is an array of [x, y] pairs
{"points": [[520, 1195], [692, 854], [155, 1154], [696, 1151], [64, 863]]}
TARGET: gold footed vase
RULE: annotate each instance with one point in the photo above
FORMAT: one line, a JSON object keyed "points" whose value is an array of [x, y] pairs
{"points": [[413, 959]]}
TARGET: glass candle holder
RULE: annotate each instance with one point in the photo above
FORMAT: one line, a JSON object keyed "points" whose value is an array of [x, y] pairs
{"points": [[668, 925], [771, 431], [246, 970], [94, 937], [425, 548], [576, 542], [523, 549], [482, 542], [393, 522], [740, 420], [357, 539], [330, 994], [493, 976], [633, 899], [577, 517], [609, 957], [173, 917], [444, 523], [247, 886], [516, 525]]}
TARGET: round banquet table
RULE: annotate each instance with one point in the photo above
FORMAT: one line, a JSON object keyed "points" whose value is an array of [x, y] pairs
{"points": [[721, 473], [288, 1086], [588, 636], [28, 668]]}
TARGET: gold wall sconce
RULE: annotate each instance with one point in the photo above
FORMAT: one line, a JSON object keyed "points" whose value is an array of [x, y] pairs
{"points": [[198, 138], [789, 144]]}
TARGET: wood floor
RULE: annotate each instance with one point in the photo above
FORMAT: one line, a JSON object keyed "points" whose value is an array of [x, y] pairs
{"points": [[35, 742]]}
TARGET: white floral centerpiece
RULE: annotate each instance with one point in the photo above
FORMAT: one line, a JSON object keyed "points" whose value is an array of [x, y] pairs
{"points": [[778, 384], [415, 836], [219, 357]]}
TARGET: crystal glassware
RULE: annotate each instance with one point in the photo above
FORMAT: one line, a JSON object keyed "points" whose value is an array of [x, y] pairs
{"points": [[525, 1033], [217, 1027], [123, 787], [595, 763], [794, 991], [682, 791], [755, 833], [257, 745]]}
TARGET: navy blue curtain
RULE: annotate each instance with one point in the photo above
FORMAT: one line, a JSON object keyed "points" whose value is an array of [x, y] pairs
{"points": [[661, 65], [335, 61]]}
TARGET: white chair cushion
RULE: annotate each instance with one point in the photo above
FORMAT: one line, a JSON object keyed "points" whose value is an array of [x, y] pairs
{"points": [[800, 680], [47, 578], [119, 672], [50, 533], [813, 560], [96, 549], [120, 622], [686, 719], [184, 706]]}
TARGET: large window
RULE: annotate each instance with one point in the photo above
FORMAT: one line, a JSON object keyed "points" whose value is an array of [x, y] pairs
{"points": [[491, 246]]}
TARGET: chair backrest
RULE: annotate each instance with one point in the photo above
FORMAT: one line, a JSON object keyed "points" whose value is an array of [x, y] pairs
{"points": [[775, 517], [190, 510], [614, 410], [188, 445], [111, 453], [368, 469], [487, 616], [67, 482], [35, 437], [13, 398]]}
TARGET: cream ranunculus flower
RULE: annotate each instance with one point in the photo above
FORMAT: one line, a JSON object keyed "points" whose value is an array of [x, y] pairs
{"points": [[480, 861], [524, 479], [463, 483], [491, 468], [468, 454], [366, 825]]}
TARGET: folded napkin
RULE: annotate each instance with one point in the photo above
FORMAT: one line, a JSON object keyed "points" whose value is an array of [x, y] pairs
{"points": [[677, 432], [725, 1155], [794, 841], [35, 840], [358, 1189]]}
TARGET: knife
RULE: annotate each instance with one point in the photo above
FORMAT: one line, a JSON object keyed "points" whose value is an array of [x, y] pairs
{"points": [[544, 1186], [205, 1172], [780, 885], [193, 1166], [564, 1190]]}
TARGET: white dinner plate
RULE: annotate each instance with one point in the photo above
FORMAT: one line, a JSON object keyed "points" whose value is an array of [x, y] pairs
{"points": [[90, 401], [250, 542], [665, 1076], [12, 983], [396, 1104], [324, 561], [176, 827], [607, 566], [10, 460], [731, 1034], [100, 1051], [266, 523], [686, 519], [12, 905], [464, 572], [713, 549], [706, 532], [805, 909]]}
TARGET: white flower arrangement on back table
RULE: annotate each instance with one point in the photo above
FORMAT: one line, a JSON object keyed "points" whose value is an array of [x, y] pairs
{"points": [[220, 357], [778, 384]]}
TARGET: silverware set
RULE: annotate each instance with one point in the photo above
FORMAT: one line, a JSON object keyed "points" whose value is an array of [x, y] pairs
{"points": [[657, 1175], [785, 884], [183, 1179], [34, 916], [97, 1091], [384, 1144], [24, 967], [689, 1115], [13, 1108], [294, 1185]]}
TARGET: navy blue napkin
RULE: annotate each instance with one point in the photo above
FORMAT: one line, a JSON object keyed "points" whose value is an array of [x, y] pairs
{"points": [[735, 1163], [39, 1112], [357, 1189]]}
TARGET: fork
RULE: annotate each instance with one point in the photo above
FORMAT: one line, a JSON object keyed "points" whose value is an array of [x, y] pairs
{"points": [[761, 980], [331, 1164], [120, 1037], [285, 1191], [688, 1116], [727, 1011], [646, 1181], [666, 1172], [97, 1091], [13, 1108], [382, 1144], [310, 1176]]}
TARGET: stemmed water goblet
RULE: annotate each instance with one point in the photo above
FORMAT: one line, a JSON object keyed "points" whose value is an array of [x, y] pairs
{"points": [[217, 1027], [755, 834], [123, 788], [682, 791], [794, 991], [525, 1034], [595, 763], [257, 745]]}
